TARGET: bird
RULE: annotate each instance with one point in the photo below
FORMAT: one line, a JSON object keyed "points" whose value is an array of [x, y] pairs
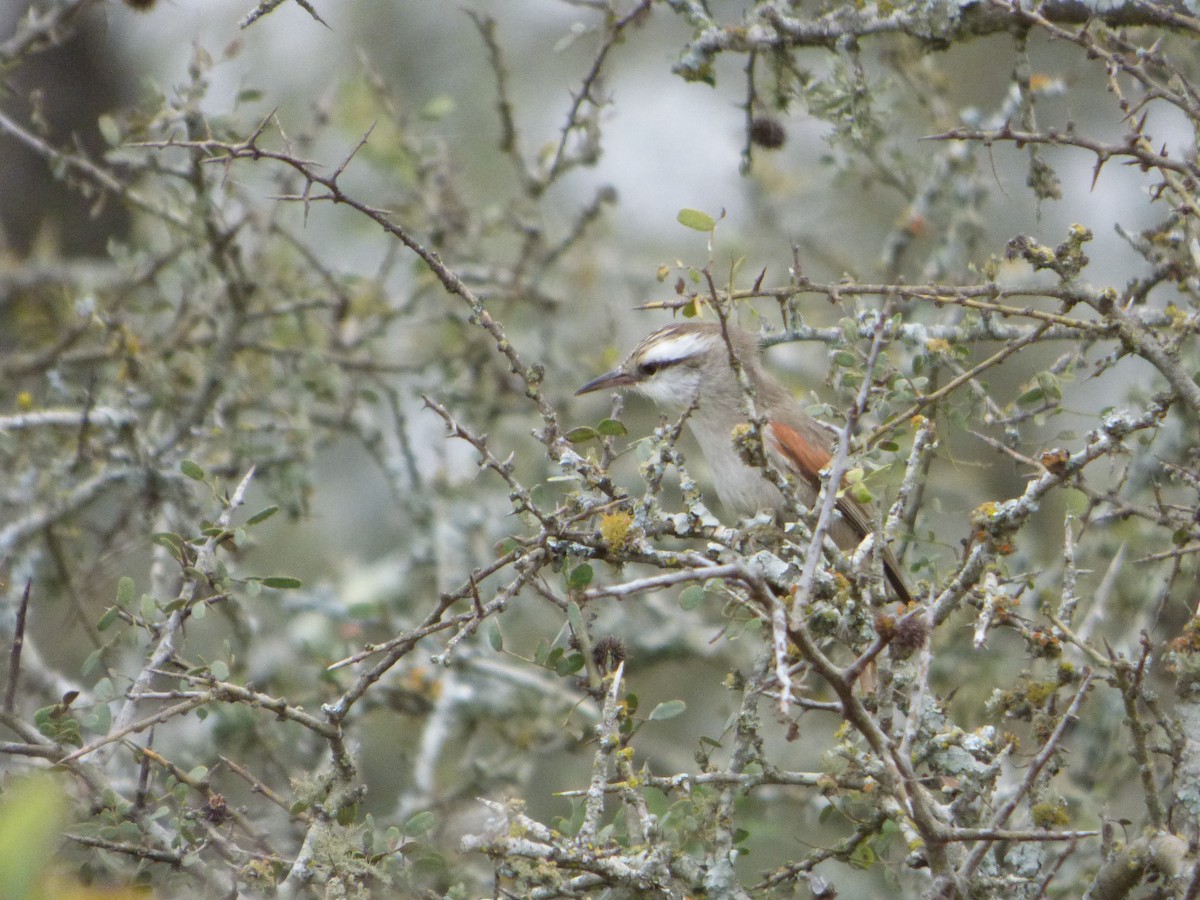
{"points": [[686, 365]]}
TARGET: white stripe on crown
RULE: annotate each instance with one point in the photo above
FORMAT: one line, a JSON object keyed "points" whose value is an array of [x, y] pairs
{"points": [[665, 347]]}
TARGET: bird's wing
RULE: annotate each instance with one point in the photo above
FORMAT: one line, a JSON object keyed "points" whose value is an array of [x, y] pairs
{"points": [[806, 451]]}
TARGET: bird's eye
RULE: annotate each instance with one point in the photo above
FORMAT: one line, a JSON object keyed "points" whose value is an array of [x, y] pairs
{"points": [[646, 369]]}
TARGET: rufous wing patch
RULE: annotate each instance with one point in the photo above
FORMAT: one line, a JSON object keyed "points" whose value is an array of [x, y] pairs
{"points": [[806, 457]]}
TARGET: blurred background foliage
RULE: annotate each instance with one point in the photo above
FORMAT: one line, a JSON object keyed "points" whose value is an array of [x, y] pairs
{"points": [[222, 467]]}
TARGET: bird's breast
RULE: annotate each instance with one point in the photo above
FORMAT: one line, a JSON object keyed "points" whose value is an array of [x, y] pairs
{"points": [[742, 488]]}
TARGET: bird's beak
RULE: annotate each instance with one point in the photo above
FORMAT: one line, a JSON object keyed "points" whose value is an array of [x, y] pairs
{"points": [[614, 379]]}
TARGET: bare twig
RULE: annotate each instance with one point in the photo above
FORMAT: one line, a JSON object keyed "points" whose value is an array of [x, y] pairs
{"points": [[14, 655]]}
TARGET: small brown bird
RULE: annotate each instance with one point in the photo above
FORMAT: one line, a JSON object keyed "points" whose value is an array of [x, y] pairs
{"points": [[690, 361]]}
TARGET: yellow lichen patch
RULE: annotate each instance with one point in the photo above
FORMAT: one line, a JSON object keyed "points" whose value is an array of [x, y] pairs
{"points": [[614, 529]]}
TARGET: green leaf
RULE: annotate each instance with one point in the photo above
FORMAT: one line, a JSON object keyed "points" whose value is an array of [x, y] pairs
{"points": [[101, 719], [262, 516], [104, 690], [844, 358], [569, 665], [91, 663], [172, 542], [126, 591], [1050, 385], [281, 582], [612, 428], [691, 597], [495, 638], [219, 669], [820, 410], [581, 434], [696, 220], [575, 616], [419, 824], [1031, 396], [862, 857], [668, 709], [110, 616], [861, 493], [192, 470], [580, 577]]}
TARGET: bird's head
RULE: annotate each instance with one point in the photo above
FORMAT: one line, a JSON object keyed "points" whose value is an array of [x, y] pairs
{"points": [[677, 363]]}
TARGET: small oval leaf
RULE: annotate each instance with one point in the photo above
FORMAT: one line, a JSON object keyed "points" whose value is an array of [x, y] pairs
{"points": [[569, 665], [109, 617], [581, 434], [668, 709], [126, 591], [282, 582], [419, 824], [696, 220], [262, 516], [580, 577], [575, 616], [171, 542], [192, 470], [691, 597]]}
